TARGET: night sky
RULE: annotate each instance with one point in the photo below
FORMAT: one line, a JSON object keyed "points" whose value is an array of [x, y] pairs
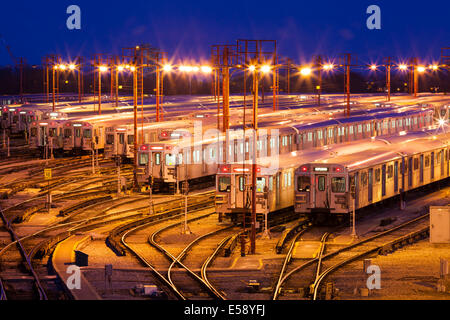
{"points": [[186, 29]]}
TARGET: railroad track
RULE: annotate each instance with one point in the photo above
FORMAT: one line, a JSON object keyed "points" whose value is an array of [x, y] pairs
{"points": [[128, 230], [44, 247], [333, 257], [37, 284], [178, 260]]}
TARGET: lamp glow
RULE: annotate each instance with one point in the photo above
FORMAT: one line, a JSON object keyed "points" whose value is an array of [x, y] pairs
{"points": [[265, 68], [206, 69], [305, 71]]}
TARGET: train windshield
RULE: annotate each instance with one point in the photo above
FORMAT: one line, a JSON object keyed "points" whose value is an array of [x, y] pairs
{"points": [[303, 183], [338, 184], [170, 159], [260, 184], [33, 132], [87, 133], [224, 184], [143, 159], [109, 139]]}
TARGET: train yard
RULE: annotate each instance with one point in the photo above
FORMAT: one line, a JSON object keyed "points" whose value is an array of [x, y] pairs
{"points": [[174, 225]]}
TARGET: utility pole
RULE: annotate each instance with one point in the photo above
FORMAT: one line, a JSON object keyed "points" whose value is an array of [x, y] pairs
{"points": [[319, 76], [135, 182], [226, 91], [388, 78], [347, 81], [254, 166], [415, 77]]}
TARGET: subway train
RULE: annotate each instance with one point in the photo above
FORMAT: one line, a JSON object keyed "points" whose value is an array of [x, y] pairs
{"points": [[318, 182], [166, 162], [333, 187]]}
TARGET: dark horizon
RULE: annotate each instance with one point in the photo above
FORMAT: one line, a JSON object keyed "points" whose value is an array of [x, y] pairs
{"points": [[187, 30]]}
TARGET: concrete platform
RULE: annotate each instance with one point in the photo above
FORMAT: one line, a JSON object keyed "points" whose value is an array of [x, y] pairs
{"points": [[306, 250], [63, 256]]}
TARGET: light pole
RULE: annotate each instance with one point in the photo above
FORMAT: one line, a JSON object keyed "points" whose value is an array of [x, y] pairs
{"points": [[101, 69]]}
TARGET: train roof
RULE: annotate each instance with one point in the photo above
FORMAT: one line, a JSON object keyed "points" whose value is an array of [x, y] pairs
{"points": [[361, 152], [387, 153]]}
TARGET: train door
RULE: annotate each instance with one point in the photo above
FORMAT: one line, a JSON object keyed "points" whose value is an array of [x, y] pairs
{"points": [[156, 164], [77, 137], [383, 180], [239, 191], [395, 176], [432, 166], [278, 189], [370, 187], [421, 168], [410, 172], [43, 135], [321, 191], [121, 143]]}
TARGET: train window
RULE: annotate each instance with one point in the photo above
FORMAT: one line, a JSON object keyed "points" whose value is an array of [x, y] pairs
{"points": [[121, 138], [427, 161], [130, 139], [109, 139], [438, 158], [224, 184], [368, 127], [158, 158], [350, 129], [33, 132], [241, 183], [87, 133], [5, 116], [290, 140], [415, 120], [321, 183], [143, 159], [309, 136], [330, 133], [52, 132], [270, 183], [180, 158], [196, 156], [77, 132], [338, 184], [67, 133], [260, 184], [15, 119], [359, 128], [416, 163], [377, 175], [363, 178], [390, 171], [303, 183]]}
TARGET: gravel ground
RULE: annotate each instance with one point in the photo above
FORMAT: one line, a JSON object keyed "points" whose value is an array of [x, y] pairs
{"points": [[410, 273]]}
